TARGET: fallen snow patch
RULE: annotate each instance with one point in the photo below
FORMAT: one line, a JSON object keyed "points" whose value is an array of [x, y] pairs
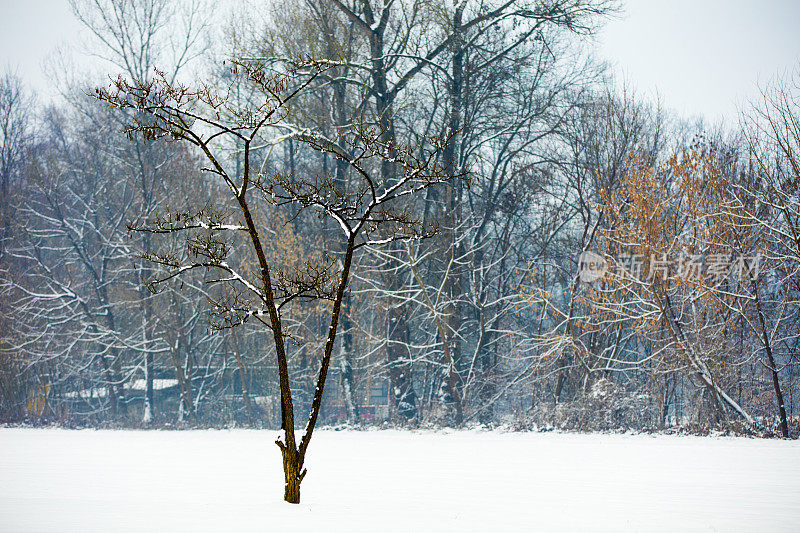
{"points": [[61, 480]]}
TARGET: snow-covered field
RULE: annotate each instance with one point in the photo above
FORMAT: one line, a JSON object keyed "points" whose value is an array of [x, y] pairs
{"points": [[61, 480]]}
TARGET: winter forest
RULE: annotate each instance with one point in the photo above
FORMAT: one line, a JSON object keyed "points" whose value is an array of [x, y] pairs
{"points": [[406, 214]]}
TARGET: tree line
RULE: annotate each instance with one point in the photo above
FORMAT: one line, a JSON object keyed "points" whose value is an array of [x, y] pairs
{"points": [[383, 211]]}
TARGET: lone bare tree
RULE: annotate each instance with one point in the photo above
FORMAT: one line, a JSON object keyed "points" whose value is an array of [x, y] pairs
{"points": [[368, 209]]}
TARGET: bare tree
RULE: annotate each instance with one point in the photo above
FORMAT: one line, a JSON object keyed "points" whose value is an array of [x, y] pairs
{"points": [[766, 206], [135, 36], [371, 212]]}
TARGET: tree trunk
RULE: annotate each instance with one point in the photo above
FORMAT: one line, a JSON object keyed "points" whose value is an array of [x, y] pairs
{"points": [[397, 353], [346, 365], [399, 362], [184, 388], [776, 384], [454, 283], [562, 378], [243, 378], [149, 408], [292, 474], [147, 416], [111, 387]]}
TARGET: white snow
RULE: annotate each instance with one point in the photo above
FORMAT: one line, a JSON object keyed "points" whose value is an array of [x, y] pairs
{"points": [[136, 384], [62, 480], [86, 394], [158, 384]]}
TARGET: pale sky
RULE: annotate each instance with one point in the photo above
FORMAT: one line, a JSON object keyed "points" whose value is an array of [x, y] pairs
{"points": [[703, 57], [30, 31]]}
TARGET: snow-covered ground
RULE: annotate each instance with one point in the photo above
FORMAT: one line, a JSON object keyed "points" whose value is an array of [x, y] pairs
{"points": [[61, 480]]}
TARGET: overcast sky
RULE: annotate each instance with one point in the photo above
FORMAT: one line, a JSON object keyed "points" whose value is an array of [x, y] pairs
{"points": [[703, 57]]}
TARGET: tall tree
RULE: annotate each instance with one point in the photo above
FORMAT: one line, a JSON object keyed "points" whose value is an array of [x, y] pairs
{"points": [[371, 212]]}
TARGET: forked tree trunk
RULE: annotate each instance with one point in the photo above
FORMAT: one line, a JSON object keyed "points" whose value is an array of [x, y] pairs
{"points": [[293, 454], [292, 475]]}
